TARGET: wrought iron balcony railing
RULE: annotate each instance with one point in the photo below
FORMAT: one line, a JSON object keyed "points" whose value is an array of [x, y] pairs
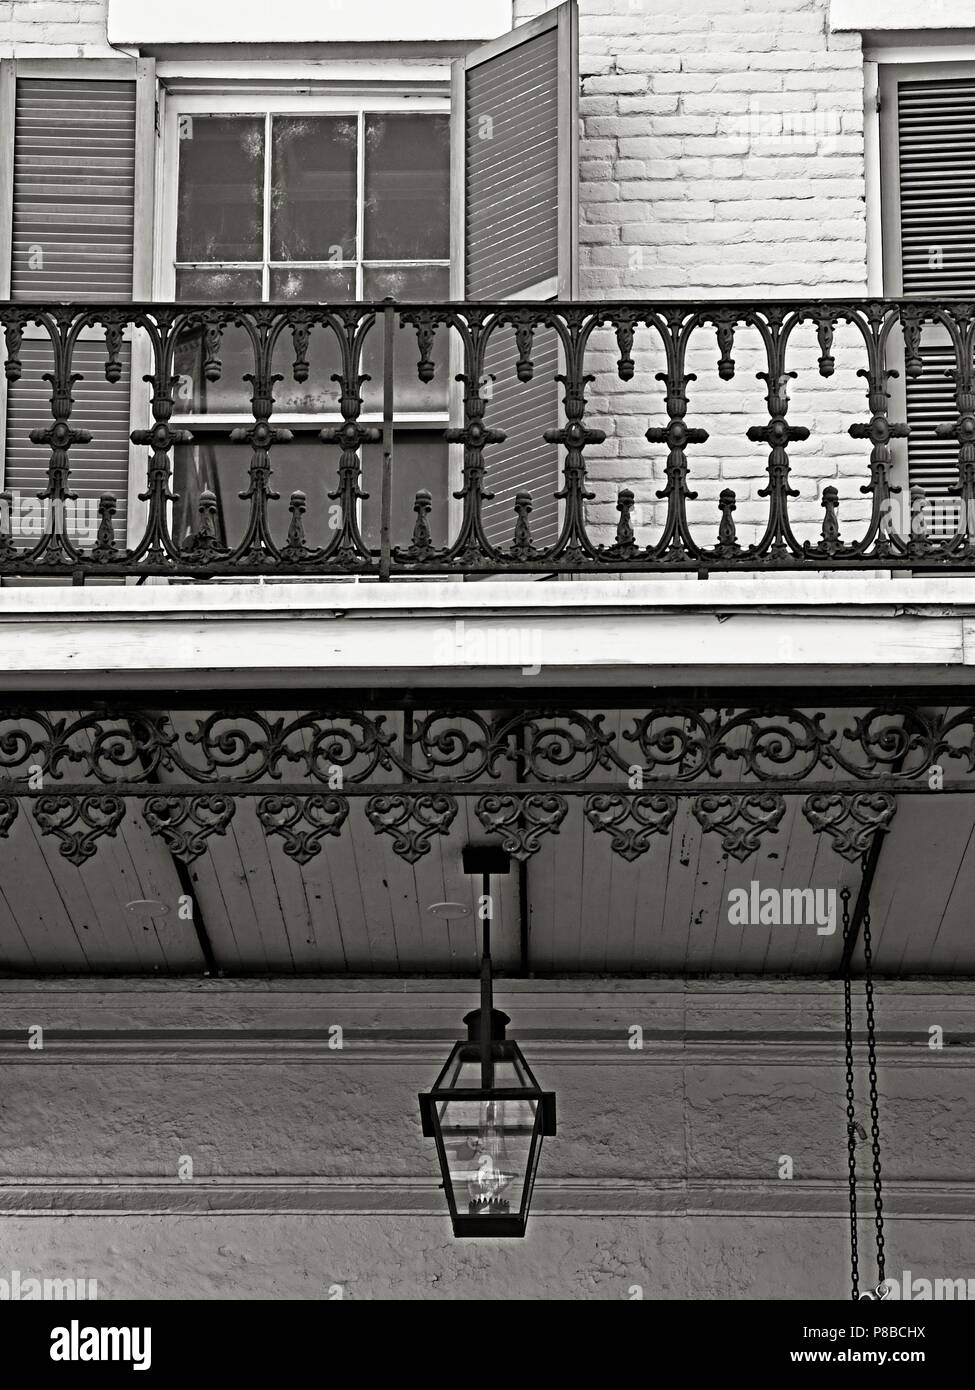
{"points": [[521, 447]]}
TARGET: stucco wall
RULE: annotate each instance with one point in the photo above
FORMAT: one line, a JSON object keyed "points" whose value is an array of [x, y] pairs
{"points": [[315, 1257], [309, 1169]]}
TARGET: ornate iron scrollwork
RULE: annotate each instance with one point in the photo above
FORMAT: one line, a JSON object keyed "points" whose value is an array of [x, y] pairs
{"points": [[519, 766], [521, 821], [302, 822], [740, 820], [412, 821], [94, 816], [652, 813]]}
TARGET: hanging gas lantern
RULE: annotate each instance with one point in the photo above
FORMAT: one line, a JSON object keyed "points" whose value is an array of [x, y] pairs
{"points": [[486, 1111]]}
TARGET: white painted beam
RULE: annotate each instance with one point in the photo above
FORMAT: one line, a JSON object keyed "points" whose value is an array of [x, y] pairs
{"points": [[142, 22], [900, 14], [785, 629]]}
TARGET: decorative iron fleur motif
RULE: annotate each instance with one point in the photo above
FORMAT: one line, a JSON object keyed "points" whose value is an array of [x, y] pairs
{"points": [[412, 821], [204, 545], [105, 550], [421, 546], [727, 547], [624, 547], [114, 322], [522, 546], [95, 816], [725, 322], [302, 822], [14, 322], [295, 547], [426, 323], [185, 823], [652, 814], [850, 820], [740, 820], [521, 821]]}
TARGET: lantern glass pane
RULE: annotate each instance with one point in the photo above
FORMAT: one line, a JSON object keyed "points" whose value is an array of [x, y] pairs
{"points": [[488, 1147]]}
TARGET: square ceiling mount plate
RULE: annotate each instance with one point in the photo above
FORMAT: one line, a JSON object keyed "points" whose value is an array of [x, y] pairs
{"points": [[486, 859]]}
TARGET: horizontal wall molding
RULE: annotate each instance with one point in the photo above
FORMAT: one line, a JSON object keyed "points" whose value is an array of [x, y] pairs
{"points": [[590, 1013], [377, 1196], [204, 1050]]}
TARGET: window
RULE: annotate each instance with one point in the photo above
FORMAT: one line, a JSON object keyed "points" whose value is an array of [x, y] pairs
{"points": [[310, 200]]}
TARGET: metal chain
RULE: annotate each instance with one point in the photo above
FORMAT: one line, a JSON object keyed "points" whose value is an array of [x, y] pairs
{"points": [[851, 1134], [878, 1199]]}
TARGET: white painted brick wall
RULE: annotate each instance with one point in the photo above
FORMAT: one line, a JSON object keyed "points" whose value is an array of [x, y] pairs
{"points": [[721, 157], [54, 29]]}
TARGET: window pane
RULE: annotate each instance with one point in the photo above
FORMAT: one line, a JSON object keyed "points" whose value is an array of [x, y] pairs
{"points": [[218, 286], [317, 285], [318, 392], [196, 395], [221, 188], [407, 161], [406, 283], [313, 191]]}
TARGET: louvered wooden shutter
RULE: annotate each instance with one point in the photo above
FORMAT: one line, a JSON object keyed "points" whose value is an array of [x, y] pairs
{"points": [[73, 236], [515, 113], [935, 123], [74, 190]]}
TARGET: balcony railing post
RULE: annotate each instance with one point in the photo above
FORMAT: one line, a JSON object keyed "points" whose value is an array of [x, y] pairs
{"points": [[385, 557]]}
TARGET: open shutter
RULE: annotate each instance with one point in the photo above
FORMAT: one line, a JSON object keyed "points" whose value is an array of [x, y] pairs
{"points": [[73, 237], [931, 248], [74, 189], [515, 234]]}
